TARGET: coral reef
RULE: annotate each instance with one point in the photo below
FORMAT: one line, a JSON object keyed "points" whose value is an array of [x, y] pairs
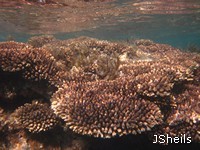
{"points": [[2, 119], [104, 109], [14, 87], [155, 78], [35, 117], [86, 86], [93, 59], [39, 41], [169, 54], [36, 64]]}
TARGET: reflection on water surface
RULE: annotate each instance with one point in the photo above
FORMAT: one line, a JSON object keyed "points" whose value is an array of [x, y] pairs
{"points": [[155, 19]]}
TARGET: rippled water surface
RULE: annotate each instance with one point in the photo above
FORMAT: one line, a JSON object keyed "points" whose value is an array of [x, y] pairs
{"points": [[176, 22]]}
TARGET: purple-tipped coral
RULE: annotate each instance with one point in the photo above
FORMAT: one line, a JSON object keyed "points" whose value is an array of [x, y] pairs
{"points": [[35, 117]]}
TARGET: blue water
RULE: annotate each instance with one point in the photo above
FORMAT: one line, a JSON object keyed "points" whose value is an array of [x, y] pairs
{"points": [[180, 34], [179, 28]]}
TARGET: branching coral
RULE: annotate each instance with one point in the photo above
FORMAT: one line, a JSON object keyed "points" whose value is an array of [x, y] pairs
{"points": [[39, 41], [104, 109], [35, 117], [183, 133], [33, 63], [2, 119], [108, 89], [184, 119], [170, 54], [98, 59], [188, 109], [155, 78]]}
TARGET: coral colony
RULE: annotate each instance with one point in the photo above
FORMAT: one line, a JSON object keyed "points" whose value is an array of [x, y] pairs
{"points": [[99, 89]]}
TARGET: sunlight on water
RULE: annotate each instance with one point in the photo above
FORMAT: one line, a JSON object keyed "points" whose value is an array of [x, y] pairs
{"points": [[176, 22]]}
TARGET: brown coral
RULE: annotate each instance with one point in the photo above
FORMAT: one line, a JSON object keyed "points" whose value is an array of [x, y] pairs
{"points": [[155, 78], [185, 133], [184, 119], [39, 41], [97, 59], [135, 82], [109, 89], [170, 54], [35, 117], [2, 119], [188, 109], [35, 64], [104, 109]]}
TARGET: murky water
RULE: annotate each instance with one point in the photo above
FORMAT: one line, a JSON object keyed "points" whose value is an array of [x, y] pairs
{"points": [[176, 22]]}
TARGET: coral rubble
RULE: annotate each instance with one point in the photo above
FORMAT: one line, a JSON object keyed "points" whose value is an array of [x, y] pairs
{"points": [[86, 86]]}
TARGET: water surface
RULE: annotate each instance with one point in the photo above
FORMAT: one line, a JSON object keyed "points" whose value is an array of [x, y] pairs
{"points": [[176, 22]]}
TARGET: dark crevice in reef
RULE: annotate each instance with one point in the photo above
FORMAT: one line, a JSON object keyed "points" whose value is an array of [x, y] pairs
{"points": [[16, 91]]}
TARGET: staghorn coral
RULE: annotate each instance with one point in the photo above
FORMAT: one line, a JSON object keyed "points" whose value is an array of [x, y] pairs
{"points": [[142, 78], [104, 109], [146, 79], [35, 117], [88, 47]]}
